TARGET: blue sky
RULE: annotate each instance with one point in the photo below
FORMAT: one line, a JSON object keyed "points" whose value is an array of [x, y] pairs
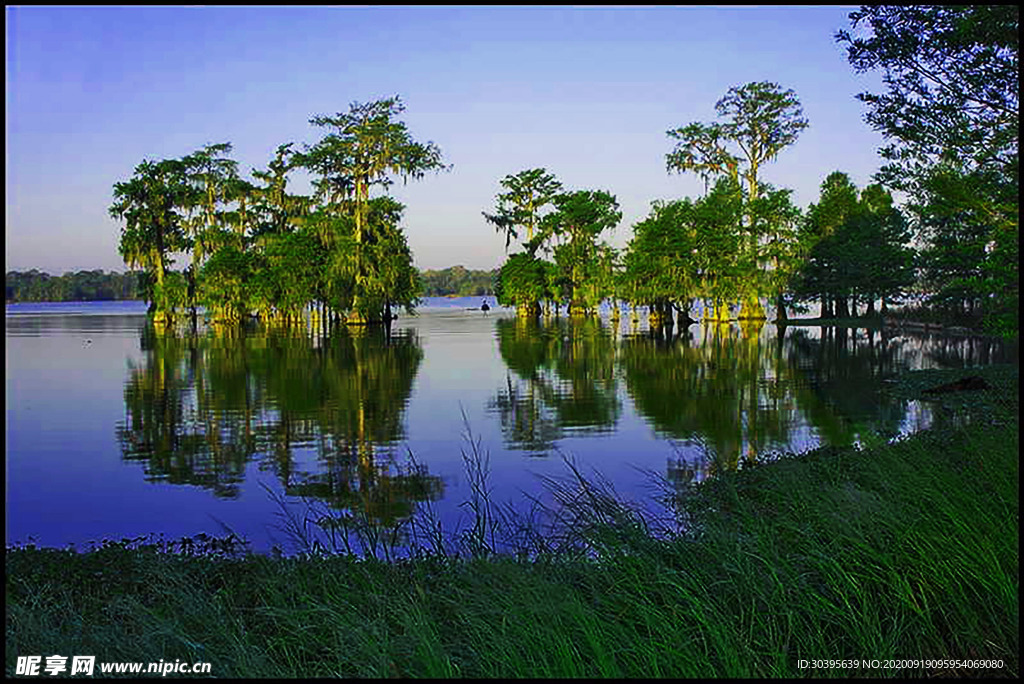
{"points": [[587, 93]]}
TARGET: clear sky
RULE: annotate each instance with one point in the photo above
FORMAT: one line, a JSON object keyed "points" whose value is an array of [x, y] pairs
{"points": [[587, 93]]}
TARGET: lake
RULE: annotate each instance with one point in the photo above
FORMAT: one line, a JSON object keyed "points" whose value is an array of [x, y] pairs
{"points": [[115, 429]]}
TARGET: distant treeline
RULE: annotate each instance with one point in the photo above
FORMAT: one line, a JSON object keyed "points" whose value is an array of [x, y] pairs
{"points": [[82, 286], [87, 286], [458, 281]]}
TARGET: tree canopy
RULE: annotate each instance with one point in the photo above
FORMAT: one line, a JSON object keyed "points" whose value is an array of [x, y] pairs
{"points": [[258, 247], [760, 119], [950, 118]]}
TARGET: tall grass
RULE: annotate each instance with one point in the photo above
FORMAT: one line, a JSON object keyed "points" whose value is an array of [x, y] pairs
{"points": [[906, 550]]}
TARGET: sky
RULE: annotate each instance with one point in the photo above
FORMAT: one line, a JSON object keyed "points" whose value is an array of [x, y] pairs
{"points": [[587, 93]]}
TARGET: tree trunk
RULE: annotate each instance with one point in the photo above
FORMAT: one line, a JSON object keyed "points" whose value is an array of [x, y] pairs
{"points": [[683, 317], [841, 310], [666, 317], [653, 316], [780, 308], [190, 276], [531, 310]]}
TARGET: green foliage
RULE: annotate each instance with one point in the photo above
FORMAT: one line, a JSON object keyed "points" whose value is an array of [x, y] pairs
{"points": [[701, 148], [959, 247], [275, 210], [171, 296], [80, 286], [150, 203], [223, 284], [776, 223], [576, 222], [887, 261], [1002, 273], [523, 282], [367, 147], [209, 173], [858, 248], [660, 262], [719, 251], [294, 263], [760, 118], [392, 278], [952, 79], [378, 271], [527, 194], [583, 272], [686, 249], [820, 274], [599, 278], [458, 281], [275, 251], [951, 118]]}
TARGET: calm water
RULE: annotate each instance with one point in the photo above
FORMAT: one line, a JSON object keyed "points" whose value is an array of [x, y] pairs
{"points": [[115, 430]]}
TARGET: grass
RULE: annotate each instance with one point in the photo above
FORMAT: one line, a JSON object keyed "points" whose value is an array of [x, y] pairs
{"points": [[904, 550]]}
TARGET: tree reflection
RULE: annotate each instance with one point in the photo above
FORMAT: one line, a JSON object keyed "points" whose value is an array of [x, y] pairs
{"points": [[838, 381], [162, 427], [200, 408], [720, 393], [745, 391], [561, 379]]}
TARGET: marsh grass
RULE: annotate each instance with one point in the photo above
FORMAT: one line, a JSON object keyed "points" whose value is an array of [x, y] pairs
{"points": [[900, 550]]}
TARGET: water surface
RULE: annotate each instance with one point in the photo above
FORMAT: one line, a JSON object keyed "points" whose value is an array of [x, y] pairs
{"points": [[116, 429]]}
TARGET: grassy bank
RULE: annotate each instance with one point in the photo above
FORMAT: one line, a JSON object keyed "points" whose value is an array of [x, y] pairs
{"points": [[898, 552]]}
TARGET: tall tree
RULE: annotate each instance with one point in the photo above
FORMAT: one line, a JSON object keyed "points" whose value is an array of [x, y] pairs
{"points": [[209, 171], [365, 148], [701, 149], [857, 249], [719, 254], [950, 118], [295, 264], [761, 119], [523, 282], [524, 279], [889, 260], [659, 267], [820, 275], [149, 204], [578, 220], [209, 174], [776, 221], [276, 210], [223, 283], [527, 194]]}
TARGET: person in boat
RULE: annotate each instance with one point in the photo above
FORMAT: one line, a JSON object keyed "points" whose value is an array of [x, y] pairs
{"points": [[485, 307]]}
